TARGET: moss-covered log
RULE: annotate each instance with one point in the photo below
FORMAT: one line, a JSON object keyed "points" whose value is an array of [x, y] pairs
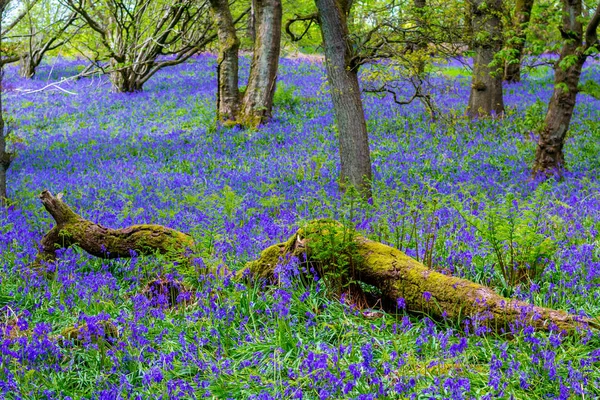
{"points": [[400, 276], [334, 252], [72, 229]]}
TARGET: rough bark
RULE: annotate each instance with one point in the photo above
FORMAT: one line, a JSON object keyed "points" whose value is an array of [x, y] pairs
{"points": [[257, 103], [255, 106], [71, 229], [516, 44], [549, 157], [342, 76], [228, 94], [423, 290], [486, 87]]}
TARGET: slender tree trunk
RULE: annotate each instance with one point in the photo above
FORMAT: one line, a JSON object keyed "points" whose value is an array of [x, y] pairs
{"points": [[421, 45], [5, 159], [228, 94], [486, 88], [5, 156], [342, 76], [515, 45], [257, 103], [251, 32], [549, 157]]}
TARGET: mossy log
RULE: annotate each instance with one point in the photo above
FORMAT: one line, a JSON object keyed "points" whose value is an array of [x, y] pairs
{"points": [[72, 229], [322, 244], [397, 276]]}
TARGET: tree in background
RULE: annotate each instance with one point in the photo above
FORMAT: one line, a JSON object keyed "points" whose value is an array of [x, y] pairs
{"points": [[5, 156], [578, 44], [10, 52], [515, 42], [254, 106], [44, 28], [134, 35], [342, 75], [486, 88]]}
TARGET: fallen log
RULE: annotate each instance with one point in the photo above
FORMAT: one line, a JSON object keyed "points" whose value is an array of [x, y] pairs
{"points": [[422, 290], [72, 229], [322, 244]]}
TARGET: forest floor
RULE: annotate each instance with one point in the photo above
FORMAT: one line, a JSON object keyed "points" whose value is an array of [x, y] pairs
{"points": [[453, 193]]}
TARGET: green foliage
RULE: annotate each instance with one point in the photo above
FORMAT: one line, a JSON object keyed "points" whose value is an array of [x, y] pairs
{"points": [[534, 116], [286, 96], [591, 88], [513, 232]]}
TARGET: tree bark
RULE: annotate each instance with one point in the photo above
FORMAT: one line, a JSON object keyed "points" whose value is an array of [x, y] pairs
{"points": [[342, 76], [486, 87], [420, 21], [228, 94], [5, 156], [257, 103], [549, 157], [516, 44], [397, 275], [26, 67], [71, 229]]}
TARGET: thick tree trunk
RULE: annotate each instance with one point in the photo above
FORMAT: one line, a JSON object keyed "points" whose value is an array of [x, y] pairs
{"points": [[399, 276], [342, 76], [549, 157], [124, 79], [72, 229], [228, 94], [257, 103], [27, 66], [486, 87], [516, 44]]}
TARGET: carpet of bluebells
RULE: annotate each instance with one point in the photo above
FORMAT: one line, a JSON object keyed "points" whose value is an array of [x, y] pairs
{"points": [[453, 193]]}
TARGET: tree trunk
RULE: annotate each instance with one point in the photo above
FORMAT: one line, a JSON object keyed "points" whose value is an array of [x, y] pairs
{"points": [[72, 229], [515, 45], [5, 160], [397, 276], [421, 45], [228, 94], [549, 157], [322, 244], [27, 66], [342, 76], [124, 79], [486, 88], [5, 156], [251, 31], [257, 103]]}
